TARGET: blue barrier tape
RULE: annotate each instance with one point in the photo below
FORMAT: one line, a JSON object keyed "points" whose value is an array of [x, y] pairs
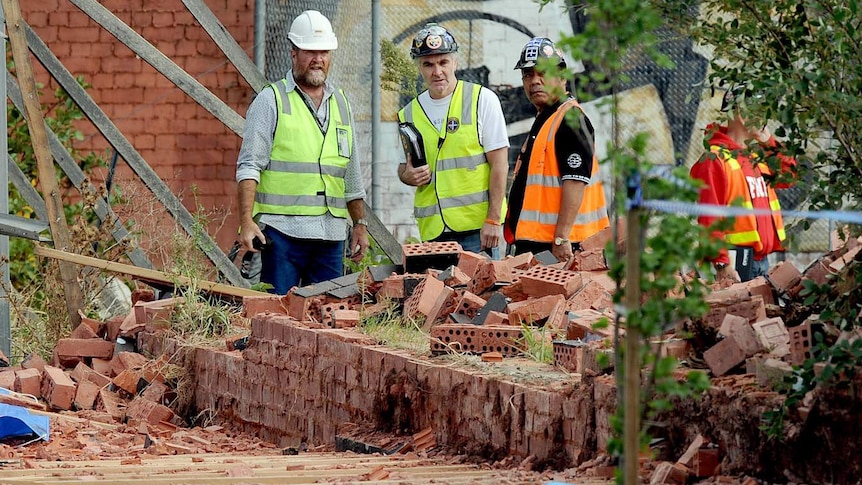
{"points": [[673, 207]]}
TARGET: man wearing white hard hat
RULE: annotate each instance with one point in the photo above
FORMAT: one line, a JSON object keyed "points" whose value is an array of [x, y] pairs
{"points": [[299, 179]]}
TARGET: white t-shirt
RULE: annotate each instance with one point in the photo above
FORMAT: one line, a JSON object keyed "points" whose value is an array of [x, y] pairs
{"points": [[491, 123]]}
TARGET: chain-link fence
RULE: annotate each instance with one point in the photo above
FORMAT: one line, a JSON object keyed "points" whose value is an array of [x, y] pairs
{"points": [[672, 105]]}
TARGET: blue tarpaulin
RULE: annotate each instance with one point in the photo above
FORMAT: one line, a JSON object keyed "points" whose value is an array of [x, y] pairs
{"points": [[17, 421]]}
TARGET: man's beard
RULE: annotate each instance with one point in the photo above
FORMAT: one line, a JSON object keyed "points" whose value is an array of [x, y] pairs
{"points": [[313, 77]]}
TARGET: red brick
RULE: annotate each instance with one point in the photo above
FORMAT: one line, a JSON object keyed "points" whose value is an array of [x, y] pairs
{"points": [[598, 240], [127, 360], [102, 366], [534, 311], [470, 304], [157, 314], [476, 339], [69, 347], [800, 343], [773, 336], [591, 260], [558, 320], [490, 274], [144, 410], [111, 403], [130, 326], [497, 318], [34, 361], [58, 389], [544, 280], [456, 277], [749, 307], [83, 373], [83, 331], [7, 379], [112, 327], [759, 286], [143, 294], [671, 347], [593, 295], [98, 327], [128, 380], [705, 462], [784, 277], [669, 473], [252, 305], [86, 394], [469, 262], [742, 332], [345, 318], [581, 323], [522, 261], [724, 356], [29, 381], [392, 287], [155, 392]]}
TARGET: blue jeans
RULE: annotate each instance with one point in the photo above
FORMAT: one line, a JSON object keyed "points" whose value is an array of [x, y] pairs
{"points": [[760, 268], [288, 262]]}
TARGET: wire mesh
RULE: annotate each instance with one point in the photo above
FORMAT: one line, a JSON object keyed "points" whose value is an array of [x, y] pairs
{"points": [[671, 105]]}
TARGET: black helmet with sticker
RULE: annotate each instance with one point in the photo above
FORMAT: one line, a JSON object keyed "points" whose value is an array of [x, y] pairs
{"points": [[537, 48], [433, 39]]}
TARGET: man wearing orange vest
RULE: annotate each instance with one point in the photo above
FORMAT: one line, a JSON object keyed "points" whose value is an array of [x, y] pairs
{"points": [[556, 200], [734, 175]]}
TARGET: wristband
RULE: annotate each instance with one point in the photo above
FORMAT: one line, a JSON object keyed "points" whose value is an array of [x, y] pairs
{"points": [[492, 222]]}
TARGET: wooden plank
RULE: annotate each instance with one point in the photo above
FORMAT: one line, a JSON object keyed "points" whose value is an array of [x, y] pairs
{"points": [[384, 238], [20, 227], [47, 174], [162, 63], [25, 188], [235, 54], [136, 162], [148, 274], [80, 181]]}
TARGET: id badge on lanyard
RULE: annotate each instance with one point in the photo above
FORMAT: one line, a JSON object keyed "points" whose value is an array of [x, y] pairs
{"points": [[343, 142]]}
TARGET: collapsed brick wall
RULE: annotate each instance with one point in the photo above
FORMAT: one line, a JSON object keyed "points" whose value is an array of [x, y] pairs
{"points": [[295, 384], [184, 143]]}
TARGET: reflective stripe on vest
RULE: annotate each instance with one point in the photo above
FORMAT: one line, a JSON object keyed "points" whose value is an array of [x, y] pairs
{"points": [[543, 192], [457, 195], [305, 175], [744, 231]]}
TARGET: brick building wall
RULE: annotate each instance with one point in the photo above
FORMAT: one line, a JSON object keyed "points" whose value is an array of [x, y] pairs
{"points": [[181, 141]]}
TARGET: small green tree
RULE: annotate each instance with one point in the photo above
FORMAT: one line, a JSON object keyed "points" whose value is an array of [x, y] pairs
{"points": [[798, 64]]}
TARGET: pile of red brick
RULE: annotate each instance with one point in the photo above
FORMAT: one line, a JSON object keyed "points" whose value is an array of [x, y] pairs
{"points": [[469, 302], [94, 369], [748, 323]]}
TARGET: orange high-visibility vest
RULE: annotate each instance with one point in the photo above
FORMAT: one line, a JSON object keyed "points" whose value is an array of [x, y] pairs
{"points": [[544, 191], [744, 232]]}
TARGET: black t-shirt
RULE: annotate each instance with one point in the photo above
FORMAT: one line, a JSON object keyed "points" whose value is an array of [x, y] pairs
{"points": [[574, 153]]}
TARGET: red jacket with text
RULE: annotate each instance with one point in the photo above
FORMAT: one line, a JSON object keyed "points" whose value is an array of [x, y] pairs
{"points": [[733, 177]]}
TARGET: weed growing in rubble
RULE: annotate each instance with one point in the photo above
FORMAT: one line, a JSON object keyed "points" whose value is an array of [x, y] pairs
{"points": [[394, 330], [538, 343]]}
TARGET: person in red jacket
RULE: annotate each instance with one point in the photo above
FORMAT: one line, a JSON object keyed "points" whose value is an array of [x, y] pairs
{"points": [[735, 175]]}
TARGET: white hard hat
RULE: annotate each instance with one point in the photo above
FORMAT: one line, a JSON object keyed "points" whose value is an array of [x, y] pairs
{"points": [[311, 31]]}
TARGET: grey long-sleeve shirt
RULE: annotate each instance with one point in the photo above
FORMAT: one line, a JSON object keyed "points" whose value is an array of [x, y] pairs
{"points": [[254, 156]]}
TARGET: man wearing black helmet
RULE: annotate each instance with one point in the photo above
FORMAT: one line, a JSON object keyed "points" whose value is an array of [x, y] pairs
{"points": [[460, 191], [556, 200]]}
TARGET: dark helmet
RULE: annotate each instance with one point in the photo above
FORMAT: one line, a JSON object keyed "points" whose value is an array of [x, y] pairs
{"points": [[433, 39], [539, 47]]}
